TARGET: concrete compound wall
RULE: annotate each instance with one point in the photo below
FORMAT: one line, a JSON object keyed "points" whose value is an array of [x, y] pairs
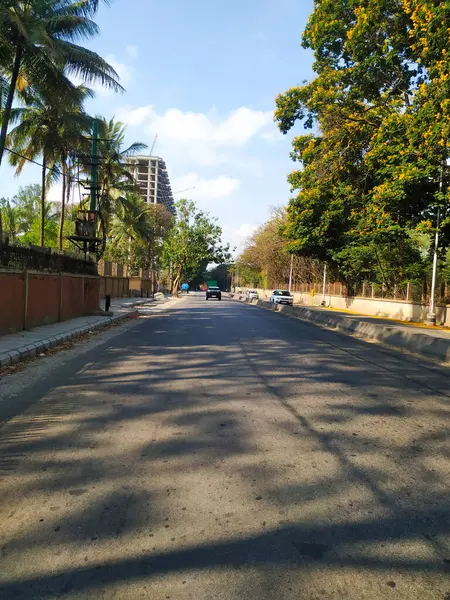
{"points": [[140, 287], [124, 287], [117, 282], [116, 287], [31, 298], [394, 309]]}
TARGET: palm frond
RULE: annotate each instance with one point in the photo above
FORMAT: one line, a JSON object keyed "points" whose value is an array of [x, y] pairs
{"points": [[134, 148], [88, 65]]}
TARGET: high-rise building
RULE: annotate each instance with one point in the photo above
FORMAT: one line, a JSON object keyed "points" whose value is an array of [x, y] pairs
{"points": [[150, 173]]}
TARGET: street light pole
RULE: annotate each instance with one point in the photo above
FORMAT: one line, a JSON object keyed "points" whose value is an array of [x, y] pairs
{"points": [[324, 284], [431, 317], [290, 273]]}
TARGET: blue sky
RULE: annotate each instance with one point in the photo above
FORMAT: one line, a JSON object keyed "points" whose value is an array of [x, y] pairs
{"points": [[203, 76]]}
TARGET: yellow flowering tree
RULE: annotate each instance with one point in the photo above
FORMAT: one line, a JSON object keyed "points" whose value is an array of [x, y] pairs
{"points": [[378, 115]]}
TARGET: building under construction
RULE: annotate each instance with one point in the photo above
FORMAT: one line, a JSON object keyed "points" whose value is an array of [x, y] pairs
{"points": [[150, 173]]}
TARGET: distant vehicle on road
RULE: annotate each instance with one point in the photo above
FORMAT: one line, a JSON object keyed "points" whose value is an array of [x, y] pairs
{"points": [[213, 291], [252, 295], [282, 297]]}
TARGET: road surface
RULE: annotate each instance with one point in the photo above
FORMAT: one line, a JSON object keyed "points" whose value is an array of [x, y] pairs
{"points": [[220, 451]]}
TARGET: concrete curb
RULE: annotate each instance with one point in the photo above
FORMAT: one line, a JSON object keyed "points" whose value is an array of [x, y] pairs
{"points": [[414, 341], [30, 351]]}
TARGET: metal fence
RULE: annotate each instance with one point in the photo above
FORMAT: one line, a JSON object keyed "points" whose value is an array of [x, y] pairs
{"points": [[408, 292], [43, 259]]}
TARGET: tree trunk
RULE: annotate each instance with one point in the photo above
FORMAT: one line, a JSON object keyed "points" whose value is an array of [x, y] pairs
{"points": [[63, 205], [10, 99], [44, 172], [176, 283], [154, 278], [170, 282], [68, 192], [68, 188], [152, 261]]}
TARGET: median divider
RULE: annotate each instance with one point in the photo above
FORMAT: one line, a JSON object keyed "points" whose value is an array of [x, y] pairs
{"points": [[430, 343]]}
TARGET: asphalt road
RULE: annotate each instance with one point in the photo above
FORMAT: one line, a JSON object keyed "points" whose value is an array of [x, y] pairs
{"points": [[220, 451]]}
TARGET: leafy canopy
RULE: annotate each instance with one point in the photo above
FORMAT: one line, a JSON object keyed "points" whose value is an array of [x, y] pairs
{"points": [[378, 115], [194, 240]]}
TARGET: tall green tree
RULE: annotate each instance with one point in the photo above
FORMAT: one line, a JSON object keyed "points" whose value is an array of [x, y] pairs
{"points": [[130, 223], [50, 128], [137, 234], [20, 213], [220, 273], [370, 166], [8, 220], [266, 261], [115, 177], [194, 239], [38, 49]]}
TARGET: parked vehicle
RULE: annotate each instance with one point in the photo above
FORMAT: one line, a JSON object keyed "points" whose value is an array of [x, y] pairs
{"points": [[282, 297], [252, 295], [213, 292]]}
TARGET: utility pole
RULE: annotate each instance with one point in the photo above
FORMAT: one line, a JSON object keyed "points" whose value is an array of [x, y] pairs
{"points": [[94, 166], [431, 316], [290, 273], [88, 236], [324, 285]]}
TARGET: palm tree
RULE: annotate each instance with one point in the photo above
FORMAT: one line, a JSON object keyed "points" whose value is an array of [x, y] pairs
{"points": [[38, 49], [131, 222], [115, 178], [52, 128], [10, 225], [137, 233]]}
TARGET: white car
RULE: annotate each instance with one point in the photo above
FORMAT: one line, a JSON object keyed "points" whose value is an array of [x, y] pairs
{"points": [[282, 297], [252, 295]]}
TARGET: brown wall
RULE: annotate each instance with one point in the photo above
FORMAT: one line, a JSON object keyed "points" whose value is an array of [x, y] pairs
{"points": [[43, 300], [31, 299], [91, 293], [140, 287], [12, 301], [116, 287]]}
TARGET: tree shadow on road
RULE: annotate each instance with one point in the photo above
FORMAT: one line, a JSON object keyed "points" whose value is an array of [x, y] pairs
{"points": [[331, 455]]}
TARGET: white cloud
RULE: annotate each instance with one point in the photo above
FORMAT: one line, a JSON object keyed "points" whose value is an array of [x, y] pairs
{"points": [[241, 126], [132, 51], [187, 127], [238, 236], [201, 138], [135, 116], [206, 190]]}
